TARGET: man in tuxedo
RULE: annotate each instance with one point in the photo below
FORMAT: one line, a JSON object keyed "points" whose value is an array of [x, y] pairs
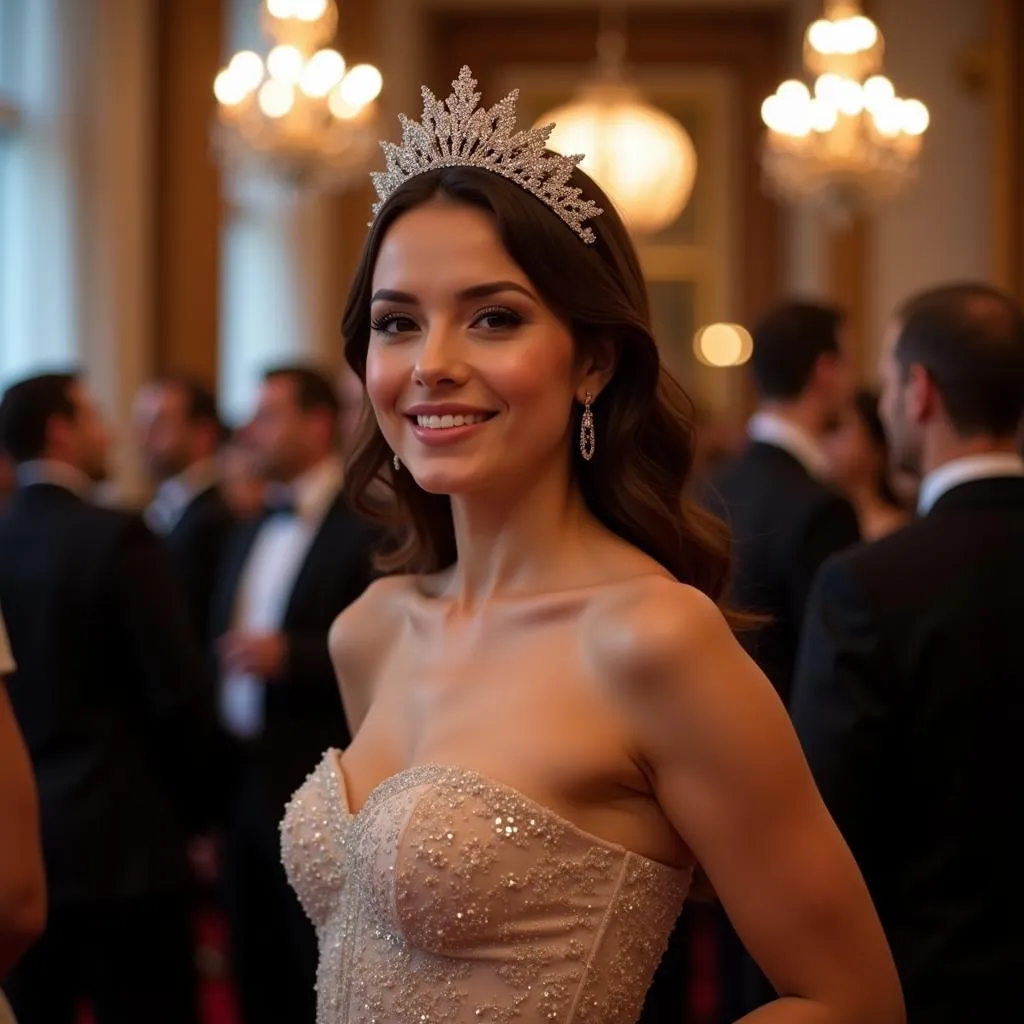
{"points": [[908, 696], [179, 434], [108, 692], [786, 520], [286, 577]]}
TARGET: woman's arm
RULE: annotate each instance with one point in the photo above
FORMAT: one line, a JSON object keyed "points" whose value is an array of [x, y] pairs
{"points": [[729, 773], [22, 883]]}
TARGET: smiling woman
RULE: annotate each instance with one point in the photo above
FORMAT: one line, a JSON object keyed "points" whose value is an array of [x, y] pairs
{"points": [[476, 260], [552, 721]]}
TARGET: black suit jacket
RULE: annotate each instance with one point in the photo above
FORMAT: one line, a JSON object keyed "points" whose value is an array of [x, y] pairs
{"points": [[196, 543], [108, 692], [303, 710], [909, 701], [785, 523]]}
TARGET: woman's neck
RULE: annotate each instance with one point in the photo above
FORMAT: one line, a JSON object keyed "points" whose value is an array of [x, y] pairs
{"points": [[875, 514], [528, 536]]}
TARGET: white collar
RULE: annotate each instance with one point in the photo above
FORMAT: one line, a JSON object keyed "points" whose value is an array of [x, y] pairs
{"points": [[60, 474], [312, 492], [770, 428], [963, 470], [173, 496], [193, 480]]}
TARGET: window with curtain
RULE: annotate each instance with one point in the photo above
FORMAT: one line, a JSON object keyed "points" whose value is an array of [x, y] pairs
{"points": [[37, 293]]}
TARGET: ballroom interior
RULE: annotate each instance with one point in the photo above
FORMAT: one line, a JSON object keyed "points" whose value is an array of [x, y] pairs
{"points": [[129, 247], [184, 184]]}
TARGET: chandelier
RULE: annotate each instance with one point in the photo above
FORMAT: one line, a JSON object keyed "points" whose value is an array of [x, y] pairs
{"points": [[302, 114], [853, 143], [643, 158]]}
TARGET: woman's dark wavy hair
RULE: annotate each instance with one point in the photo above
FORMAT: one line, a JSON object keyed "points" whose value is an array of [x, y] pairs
{"points": [[644, 420]]}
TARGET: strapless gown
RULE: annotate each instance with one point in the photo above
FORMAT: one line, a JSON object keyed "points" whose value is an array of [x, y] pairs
{"points": [[453, 898]]}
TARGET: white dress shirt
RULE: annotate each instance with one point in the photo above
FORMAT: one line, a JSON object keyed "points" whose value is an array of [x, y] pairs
{"points": [[175, 495], [963, 470], [266, 583], [767, 428], [60, 474]]}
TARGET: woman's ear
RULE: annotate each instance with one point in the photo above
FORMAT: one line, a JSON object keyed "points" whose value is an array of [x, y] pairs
{"points": [[598, 367]]}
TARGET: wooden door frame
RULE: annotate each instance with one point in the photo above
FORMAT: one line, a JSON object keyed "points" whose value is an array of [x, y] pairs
{"points": [[1006, 95]]}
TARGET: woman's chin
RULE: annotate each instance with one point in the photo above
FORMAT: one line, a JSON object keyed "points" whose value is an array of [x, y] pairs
{"points": [[435, 480], [453, 479]]}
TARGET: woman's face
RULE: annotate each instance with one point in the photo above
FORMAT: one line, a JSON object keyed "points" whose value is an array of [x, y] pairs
{"points": [[471, 376], [853, 456]]}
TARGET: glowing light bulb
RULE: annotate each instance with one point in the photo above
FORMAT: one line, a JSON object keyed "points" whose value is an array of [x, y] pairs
{"points": [[324, 70], [823, 116], [878, 92], [863, 33], [851, 97], [773, 113], [821, 36], [280, 8], [228, 89], [340, 107], [723, 344], [793, 93], [914, 117], [361, 85], [276, 98], [285, 63], [247, 68], [888, 119], [829, 88], [308, 10]]}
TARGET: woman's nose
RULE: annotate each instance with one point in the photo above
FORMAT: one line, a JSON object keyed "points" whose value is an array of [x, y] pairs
{"points": [[440, 359]]}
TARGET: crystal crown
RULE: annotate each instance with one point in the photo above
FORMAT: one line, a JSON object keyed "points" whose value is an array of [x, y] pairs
{"points": [[458, 133]]}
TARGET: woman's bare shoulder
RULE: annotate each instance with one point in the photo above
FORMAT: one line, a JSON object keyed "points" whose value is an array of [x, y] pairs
{"points": [[361, 637], [372, 615], [652, 627]]}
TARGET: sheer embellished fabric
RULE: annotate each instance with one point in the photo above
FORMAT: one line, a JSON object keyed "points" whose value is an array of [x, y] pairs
{"points": [[451, 898]]}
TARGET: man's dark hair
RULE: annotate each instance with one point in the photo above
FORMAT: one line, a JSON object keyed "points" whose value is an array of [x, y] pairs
{"points": [[788, 342], [312, 389], [969, 338], [27, 408], [200, 401]]}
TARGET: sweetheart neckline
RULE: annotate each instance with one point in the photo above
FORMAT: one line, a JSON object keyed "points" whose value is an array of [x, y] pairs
{"points": [[334, 756]]}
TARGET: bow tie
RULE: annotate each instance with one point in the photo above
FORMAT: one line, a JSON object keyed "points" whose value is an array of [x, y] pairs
{"points": [[284, 505]]}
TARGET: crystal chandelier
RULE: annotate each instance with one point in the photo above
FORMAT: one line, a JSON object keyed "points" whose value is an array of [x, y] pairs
{"points": [[643, 158], [853, 143], [302, 115]]}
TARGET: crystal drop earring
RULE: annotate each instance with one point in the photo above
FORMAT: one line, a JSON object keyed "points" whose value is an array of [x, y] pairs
{"points": [[396, 462], [587, 439]]}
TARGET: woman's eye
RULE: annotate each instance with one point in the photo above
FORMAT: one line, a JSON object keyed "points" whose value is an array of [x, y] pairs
{"points": [[497, 319], [393, 323]]}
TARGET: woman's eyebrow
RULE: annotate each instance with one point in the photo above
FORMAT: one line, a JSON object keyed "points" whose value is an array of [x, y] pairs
{"points": [[476, 291]]}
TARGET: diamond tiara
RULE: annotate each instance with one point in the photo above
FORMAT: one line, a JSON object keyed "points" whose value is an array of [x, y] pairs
{"points": [[458, 133]]}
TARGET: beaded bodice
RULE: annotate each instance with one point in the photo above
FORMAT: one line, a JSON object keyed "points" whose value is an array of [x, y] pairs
{"points": [[452, 898]]}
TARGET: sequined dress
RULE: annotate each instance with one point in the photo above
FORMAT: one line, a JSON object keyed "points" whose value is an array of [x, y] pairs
{"points": [[452, 898]]}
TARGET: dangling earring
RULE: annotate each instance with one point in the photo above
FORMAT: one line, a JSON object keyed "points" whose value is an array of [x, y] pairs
{"points": [[396, 462], [587, 439]]}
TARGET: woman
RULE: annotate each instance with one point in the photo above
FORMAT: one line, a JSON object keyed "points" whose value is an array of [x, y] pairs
{"points": [[553, 722], [859, 455]]}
